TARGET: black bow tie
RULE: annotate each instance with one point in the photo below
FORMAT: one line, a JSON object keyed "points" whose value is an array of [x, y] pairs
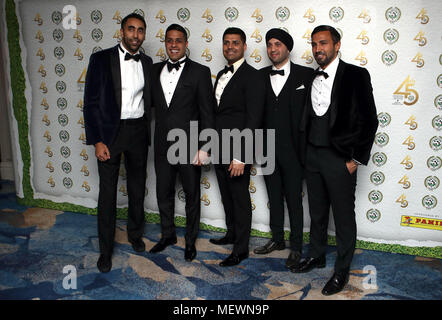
{"points": [[280, 72], [175, 65], [128, 56], [319, 73], [227, 69]]}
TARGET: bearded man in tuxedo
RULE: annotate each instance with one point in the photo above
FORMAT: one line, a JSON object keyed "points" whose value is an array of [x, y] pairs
{"points": [[117, 122], [338, 126]]}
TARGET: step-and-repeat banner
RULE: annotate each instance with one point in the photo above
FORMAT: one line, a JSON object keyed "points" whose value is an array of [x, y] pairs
{"points": [[399, 198]]}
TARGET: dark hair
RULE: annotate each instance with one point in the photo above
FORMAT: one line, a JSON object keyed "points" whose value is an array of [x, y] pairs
{"points": [[233, 30], [336, 37], [132, 15], [177, 27]]}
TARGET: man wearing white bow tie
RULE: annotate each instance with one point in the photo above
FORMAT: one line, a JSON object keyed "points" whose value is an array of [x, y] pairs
{"points": [[285, 96]]}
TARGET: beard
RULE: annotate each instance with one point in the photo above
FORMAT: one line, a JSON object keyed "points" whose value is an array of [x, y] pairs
{"points": [[280, 59], [323, 58], [232, 57], [132, 48]]}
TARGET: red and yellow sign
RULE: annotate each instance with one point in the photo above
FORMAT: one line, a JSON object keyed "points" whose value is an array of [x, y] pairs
{"points": [[420, 222]]}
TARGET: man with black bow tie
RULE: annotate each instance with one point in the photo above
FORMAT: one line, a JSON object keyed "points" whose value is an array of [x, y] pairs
{"points": [[286, 85], [117, 121], [338, 125], [239, 93], [181, 94]]}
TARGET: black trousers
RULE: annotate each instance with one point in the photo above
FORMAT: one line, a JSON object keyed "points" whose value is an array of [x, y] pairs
{"points": [[190, 176], [237, 205], [286, 182], [131, 141], [330, 183]]}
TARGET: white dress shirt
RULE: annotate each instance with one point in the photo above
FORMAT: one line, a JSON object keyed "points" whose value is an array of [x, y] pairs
{"points": [[169, 80], [222, 83], [132, 86], [225, 78], [277, 80], [322, 88]]}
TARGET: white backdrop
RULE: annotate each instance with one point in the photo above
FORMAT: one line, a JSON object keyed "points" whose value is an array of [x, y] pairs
{"points": [[399, 42]]}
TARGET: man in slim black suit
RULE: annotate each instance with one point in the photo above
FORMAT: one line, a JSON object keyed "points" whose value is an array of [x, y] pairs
{"points": [[181, 94], [286, 85], [339, 123], [239, 93], [117, 120]]}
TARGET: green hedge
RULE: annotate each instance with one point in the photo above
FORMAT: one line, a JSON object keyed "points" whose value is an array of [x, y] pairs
{"points": [[435, 252]]}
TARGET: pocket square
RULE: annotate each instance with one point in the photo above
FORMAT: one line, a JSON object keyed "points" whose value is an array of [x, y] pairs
{"points": [[300, 87]]}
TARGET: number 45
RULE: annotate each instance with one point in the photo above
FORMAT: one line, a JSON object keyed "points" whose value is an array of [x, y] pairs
{"points": [[409, 94]]}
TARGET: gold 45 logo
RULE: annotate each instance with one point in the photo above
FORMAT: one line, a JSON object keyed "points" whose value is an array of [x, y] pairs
{"points": [[422, 15], [405, 90], [403, 201]]}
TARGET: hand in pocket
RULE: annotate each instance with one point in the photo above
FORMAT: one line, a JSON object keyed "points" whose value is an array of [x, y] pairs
{"points": [[351, 166]]}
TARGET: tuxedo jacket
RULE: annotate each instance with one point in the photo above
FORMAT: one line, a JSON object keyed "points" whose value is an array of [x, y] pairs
{"points": [[297, 83], [102, 96], [241, 105], [353, 117], [192, 101]]}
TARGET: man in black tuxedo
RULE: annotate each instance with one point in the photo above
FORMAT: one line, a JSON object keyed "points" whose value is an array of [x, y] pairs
{"points": [[338, 124], [117, 120], [181, 94], [239, 93], [286, 85]]}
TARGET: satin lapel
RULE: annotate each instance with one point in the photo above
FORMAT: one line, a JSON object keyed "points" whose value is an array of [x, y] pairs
{"points": [[145, 67], [181, 80], [116, 74], [214, 90], [294, 79], [308, 106], [336, 90], [161, 91], [235, 77], [268, 81], [216, 81], [146, 76], [290, 82]]}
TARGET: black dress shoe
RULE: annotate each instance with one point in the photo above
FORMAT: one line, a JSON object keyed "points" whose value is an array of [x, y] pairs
{"points": [[234, 259], [163, 244], [309, 264], [222, 241], [269, 247], [190, 253], [138, 245], [293, 260], [104, 263], [335, 284]]}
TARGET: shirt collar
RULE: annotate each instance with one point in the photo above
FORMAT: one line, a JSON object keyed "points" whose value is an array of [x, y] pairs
{"points": [[123, 50], [238, 64], [180, 61], [332, 68], [285, 67]]}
